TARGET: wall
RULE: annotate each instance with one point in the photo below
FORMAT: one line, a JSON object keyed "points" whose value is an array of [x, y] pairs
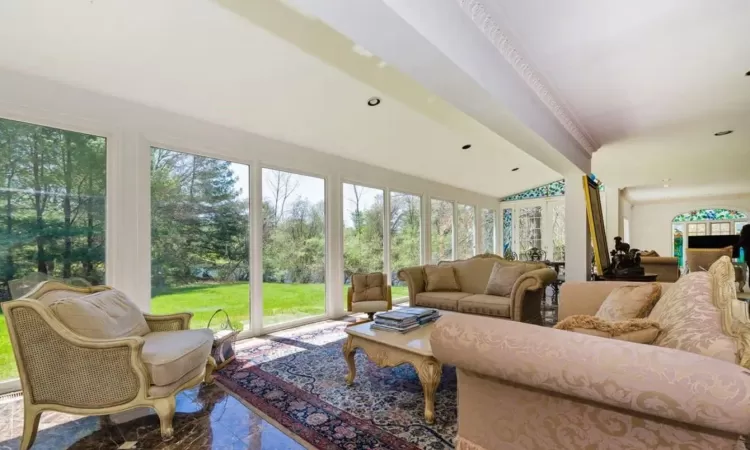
{"points": [[650, 223], [131, 129]]}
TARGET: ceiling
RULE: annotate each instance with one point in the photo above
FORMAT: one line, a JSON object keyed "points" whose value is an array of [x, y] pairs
{"points": [[279, 74], [649, 81], [659, 193]]}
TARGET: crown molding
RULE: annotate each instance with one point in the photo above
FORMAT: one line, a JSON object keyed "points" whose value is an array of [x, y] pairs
{"points": [[491, 30]]}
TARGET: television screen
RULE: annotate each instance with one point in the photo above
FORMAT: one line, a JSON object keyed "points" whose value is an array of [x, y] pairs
{"points": [[715, 242]]}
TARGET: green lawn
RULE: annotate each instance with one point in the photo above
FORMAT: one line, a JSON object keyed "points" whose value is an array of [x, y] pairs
{"points": [[282, 302]]}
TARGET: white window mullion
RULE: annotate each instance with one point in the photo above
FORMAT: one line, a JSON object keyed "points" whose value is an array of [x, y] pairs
{"points": [[256, 249], [387, 233]]}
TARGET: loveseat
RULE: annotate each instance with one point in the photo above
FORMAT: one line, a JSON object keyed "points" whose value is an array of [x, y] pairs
{"points": [[523, 304], [524, 387]]}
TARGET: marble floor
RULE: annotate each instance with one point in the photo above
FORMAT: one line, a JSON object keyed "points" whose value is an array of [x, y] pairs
{"points": [[207, 418]]}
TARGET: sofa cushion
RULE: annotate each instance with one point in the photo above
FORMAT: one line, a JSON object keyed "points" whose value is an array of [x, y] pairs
{"points": [[629, 302], [690, 320], [367, 287], [502, 279], [440, 279], [488, 305], [368, 307], [472, 274], [107, 314], [169, 355], [642, 331], [440, 300]]}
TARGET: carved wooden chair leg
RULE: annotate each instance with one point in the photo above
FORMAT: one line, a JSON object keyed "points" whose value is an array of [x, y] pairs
{"points": [[165, 409], [31, 418]]}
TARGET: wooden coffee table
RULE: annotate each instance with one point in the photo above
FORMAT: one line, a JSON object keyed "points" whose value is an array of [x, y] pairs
{"points": [[388, 349]]}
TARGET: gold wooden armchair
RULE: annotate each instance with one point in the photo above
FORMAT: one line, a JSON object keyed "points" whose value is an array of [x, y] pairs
{"points": [[61, 370], [369, 293]]}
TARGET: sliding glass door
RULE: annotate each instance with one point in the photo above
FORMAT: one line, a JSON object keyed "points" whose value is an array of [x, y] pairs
{"points": [[294, 246], [199, 237]]}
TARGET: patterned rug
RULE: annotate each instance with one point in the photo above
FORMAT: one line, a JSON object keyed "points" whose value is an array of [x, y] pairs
{"points": [[297, 379]]}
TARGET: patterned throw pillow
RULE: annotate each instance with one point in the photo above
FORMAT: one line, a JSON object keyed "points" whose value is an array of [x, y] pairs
{"points": [[630, 302], [440, 279], [367, 287], [642, 331], [502, 279]]}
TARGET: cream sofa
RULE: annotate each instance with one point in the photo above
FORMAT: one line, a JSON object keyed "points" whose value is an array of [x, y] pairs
{"points": [[523, 387], [523, 305], [666, 268]]}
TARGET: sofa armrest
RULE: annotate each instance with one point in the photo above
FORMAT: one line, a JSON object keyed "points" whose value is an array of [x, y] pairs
{"points": [[642, 379], [168, 322], [530, 281], [414, 277]]}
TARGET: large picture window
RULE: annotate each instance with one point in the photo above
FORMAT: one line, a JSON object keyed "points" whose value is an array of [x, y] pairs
{"points": [[488, 230], [465, 229], [363, 230], [441, 230], [199, 237], [406, 237], [52, 204], [294, 246]]}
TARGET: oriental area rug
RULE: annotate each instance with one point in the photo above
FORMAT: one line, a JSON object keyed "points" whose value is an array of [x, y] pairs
{"points": [[297, 380]]}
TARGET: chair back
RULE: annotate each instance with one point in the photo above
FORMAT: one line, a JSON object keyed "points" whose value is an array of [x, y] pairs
{"points": [[48, 292], [364, 286]]}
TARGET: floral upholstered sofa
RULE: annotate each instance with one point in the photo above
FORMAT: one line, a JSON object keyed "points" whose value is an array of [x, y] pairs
{"points": [[523, 304], [524, 387]]}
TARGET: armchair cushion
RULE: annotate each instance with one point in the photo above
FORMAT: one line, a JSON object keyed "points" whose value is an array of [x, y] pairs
{"points": [[107, 314], [169, 355], [368, 287]]}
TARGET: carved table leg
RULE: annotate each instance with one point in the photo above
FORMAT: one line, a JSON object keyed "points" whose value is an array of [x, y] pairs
{"points": [[429, 373], [349, 356]]}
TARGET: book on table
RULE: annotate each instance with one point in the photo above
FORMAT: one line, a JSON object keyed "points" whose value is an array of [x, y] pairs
{"points": [[404, 319]]}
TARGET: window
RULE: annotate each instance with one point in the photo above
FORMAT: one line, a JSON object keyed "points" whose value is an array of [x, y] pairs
{"points": [[465, 231], [406, 237], [529, 229], [199, 237], [52, 204], [696, 229], [738, 226], [488, 230], [441, 230], [558, 232], [294, 246], [363, 230], [626, 229], [720, 228]]}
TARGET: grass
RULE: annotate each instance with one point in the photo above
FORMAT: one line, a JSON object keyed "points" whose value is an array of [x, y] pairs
{"points": [[281, 303]]}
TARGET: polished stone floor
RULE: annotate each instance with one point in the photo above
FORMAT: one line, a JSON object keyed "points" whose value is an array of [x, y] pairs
{"points": [[207, 418]]}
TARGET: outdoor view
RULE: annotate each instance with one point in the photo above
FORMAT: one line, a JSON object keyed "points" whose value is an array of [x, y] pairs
{"points": [[406, 237], [465, 229], [199, 236], [294, 246], [52, 198], [363, 230], [488, 231], [441, 230]]}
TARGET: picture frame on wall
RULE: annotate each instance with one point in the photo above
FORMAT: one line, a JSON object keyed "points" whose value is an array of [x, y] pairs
{"points": [[596, 224]]}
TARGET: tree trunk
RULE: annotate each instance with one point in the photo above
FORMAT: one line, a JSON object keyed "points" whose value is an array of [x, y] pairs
{"points": [[68, 176], [38, 173], [88, 266]]}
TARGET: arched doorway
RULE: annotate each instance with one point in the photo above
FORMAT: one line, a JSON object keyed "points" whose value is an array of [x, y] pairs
{"points": [[704, 222]]}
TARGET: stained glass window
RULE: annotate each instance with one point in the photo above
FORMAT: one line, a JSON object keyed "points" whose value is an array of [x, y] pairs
{"points": [[507, 230], [710, 214]]}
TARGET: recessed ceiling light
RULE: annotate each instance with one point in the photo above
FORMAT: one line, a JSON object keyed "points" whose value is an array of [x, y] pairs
{"points": [[747, 74], [373, 101], [724, 133], [466, 147], [515, 169]]}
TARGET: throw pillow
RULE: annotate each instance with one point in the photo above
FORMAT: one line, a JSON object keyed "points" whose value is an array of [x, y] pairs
{"points": [[502, 279], [367, 287], [642, 331], [440, 279], [107, 314], [629, 302]]}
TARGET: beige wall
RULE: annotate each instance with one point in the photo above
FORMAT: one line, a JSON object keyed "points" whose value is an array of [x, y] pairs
{"points": [[650, 223]]}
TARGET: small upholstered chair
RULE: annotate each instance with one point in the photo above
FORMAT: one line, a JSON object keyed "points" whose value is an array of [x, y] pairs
{"points": [[369, 294], [701, 259], [91, 351]]}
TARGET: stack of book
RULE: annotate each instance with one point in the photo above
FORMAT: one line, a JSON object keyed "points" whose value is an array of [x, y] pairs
{"points": [[404, 320]]}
